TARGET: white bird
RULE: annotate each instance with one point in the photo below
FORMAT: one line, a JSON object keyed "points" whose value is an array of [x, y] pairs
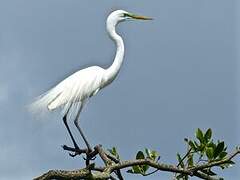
{"points": [[73, 92]]}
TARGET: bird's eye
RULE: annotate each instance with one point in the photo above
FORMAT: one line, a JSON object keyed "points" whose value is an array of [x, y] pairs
{"points": [[125, 15]]}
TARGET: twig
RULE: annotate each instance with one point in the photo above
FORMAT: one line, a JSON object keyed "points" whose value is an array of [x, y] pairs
{"points": [[186, 155], [151, 172], [216, 163], [119, 174], [108, 158], [103, 155]]}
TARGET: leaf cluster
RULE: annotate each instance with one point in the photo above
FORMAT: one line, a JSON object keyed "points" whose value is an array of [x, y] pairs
{"points": [[203, 149], [143, 169]]}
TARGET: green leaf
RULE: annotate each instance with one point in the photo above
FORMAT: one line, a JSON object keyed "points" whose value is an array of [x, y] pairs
{"points": [[208, 135], [182, 177], [211, 144], [142, 169], [114, 152], [219, 149], [199, 135], [225, 148], [209, 152], [190, 160], [201, 148], [148, 152], [197, 146], [145, 168], [154, 155], [140, 155], [192, 145], [222, 155], [137, 169], [151, 154]]}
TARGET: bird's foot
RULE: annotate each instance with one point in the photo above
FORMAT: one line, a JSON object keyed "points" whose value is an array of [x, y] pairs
{"points": [[90, 155], [73, 154], [74, 151], [77, 151], [87, 158]]}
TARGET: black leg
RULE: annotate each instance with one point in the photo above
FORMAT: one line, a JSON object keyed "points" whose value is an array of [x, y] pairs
{"points": [[81, 133], [76, 122], [73, 140]]}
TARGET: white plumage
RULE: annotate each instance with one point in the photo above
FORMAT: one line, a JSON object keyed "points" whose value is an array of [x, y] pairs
{"points": [[74, 91]]}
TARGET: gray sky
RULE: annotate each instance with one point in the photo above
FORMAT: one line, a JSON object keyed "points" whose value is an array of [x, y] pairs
{"points": [[180, 73]]}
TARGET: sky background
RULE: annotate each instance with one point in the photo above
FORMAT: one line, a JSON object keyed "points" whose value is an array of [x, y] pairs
{"points": [[181, 72]]}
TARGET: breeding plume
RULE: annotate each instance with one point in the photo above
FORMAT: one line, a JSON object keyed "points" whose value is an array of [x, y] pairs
{"points": [[72, 93]]}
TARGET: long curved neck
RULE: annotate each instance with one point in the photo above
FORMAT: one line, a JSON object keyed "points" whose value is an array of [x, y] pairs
{"points": [[113, 70]]}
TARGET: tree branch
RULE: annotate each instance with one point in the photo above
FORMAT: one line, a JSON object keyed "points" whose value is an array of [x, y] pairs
{"points": [[113, 165], [216, 163]]}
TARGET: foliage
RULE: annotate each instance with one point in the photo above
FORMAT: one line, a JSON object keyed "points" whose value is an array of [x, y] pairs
{"points": [[201, 156], [114, 152], [143, 169], [201, 150]]}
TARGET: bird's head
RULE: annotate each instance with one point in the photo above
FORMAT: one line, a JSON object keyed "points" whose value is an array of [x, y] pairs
{"points": [[120, 15]]}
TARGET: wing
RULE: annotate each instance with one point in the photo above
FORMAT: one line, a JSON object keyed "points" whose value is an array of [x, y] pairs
{"points": [[76, 88]]}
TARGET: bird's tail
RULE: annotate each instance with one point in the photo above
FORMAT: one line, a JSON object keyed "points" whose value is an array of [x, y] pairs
{"points": [[43, 102], [53, 99]]}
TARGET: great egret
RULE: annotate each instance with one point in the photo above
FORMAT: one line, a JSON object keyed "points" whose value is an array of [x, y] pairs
{"points": [[73, 92]]}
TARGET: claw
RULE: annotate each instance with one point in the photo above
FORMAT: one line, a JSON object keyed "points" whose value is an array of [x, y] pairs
{"points": [[90, 159], [88, 156], [64, 147], [93, 158], [75, 151], [72, 154]]}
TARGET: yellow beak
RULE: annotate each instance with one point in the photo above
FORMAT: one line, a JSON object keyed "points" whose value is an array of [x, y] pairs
{"points": [[140, 17]]}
